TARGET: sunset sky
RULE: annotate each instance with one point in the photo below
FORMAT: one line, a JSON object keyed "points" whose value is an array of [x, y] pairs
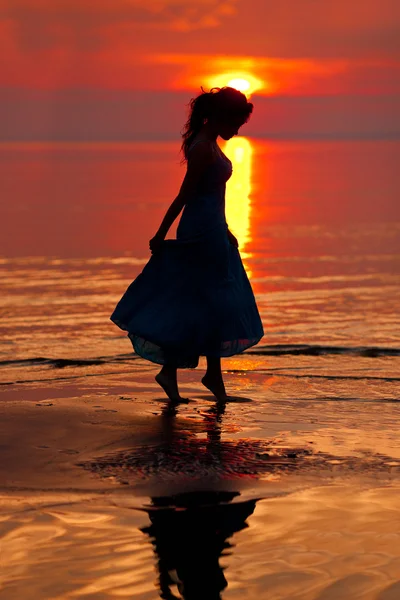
{"points": [[125, 69]]}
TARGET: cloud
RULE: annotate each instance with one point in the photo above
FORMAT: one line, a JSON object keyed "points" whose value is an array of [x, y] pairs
{"points": [[298, 47], [83, 24], [284, 28], [324, 28], [290, 76]]}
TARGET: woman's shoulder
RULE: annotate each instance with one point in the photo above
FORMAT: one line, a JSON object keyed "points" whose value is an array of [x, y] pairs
{"points": [[201, 150], [202, 144]]}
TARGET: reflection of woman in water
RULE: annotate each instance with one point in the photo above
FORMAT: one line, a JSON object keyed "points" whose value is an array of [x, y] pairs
{"points": [[193, 298], [190, 531], [189, 539]]}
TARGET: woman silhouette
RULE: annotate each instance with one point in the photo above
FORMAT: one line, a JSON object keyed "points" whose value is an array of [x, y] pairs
{"points": [[193, 298]]}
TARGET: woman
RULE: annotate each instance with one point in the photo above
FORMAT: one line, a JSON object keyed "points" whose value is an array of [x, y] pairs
{"points": [[193, 298]]}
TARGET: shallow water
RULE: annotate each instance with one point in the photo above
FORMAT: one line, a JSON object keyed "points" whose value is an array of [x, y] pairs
{"points": [[107, 492], [295, 547], [319, 231], [318, 225], [307, 454]]}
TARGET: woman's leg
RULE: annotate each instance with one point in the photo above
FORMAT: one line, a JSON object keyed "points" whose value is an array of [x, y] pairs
{"points": [[213, 378], [167, 379]]}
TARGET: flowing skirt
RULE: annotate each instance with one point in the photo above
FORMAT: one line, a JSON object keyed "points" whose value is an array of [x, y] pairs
{"points": [[193, 298]]}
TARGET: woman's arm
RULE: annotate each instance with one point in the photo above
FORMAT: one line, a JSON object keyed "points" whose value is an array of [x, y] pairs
{"points": [[200, 157]]}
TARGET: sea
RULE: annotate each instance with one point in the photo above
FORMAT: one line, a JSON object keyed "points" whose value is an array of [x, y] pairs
{"points": [[318, 223], [290, 490]]}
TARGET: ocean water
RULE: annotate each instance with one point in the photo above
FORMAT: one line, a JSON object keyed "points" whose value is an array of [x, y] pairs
{"points": [[291, 489], [318, 224]]}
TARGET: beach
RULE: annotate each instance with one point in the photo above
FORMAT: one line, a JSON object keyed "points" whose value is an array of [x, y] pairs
{"points": [[290, 489], [86, 457]]}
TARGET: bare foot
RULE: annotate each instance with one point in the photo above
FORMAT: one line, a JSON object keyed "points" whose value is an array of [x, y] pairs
{"points": [[215, 386], [170, 388]]}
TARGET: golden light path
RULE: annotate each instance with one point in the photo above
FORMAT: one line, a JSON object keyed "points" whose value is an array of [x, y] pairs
{"points": [[238, 190]]}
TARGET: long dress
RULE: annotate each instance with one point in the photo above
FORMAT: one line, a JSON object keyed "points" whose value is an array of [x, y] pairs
{"points": [[193, 297]]}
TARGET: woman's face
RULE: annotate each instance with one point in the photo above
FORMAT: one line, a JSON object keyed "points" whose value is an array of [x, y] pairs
{"points": [[227, 128]]}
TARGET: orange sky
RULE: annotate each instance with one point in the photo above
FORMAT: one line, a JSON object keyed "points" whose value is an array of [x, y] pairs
{"points": [[309, 48]]}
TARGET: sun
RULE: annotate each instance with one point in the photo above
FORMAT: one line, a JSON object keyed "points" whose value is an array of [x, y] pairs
{"points": [[244, 82], [243, 85]]}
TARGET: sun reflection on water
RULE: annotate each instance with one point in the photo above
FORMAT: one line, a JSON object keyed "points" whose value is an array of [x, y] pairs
{"points": [[238, 190]]}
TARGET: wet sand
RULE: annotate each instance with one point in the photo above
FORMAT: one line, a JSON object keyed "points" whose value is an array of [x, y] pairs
{"points": [[109, 492]]}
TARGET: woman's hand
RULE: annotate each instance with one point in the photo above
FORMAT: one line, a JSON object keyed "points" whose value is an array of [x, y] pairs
{"points": [[156, 243], [232, 239]]}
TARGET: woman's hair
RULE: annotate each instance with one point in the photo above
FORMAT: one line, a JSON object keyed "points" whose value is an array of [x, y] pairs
{"points": [[224, 103]]}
